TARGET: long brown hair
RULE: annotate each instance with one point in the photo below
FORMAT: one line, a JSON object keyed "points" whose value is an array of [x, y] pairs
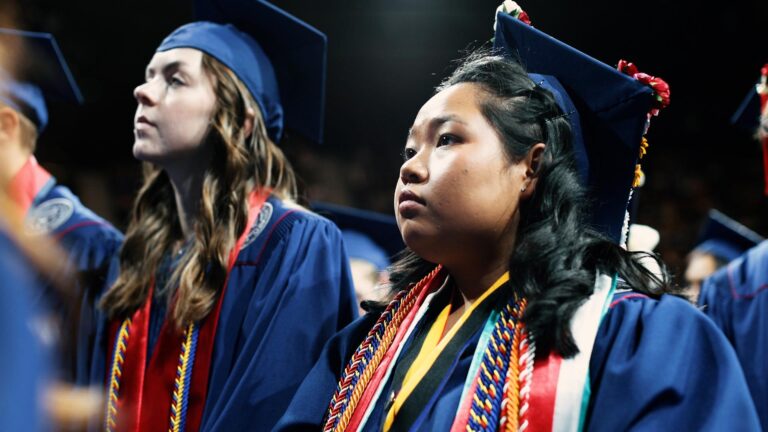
{"points": [[240, 164]]}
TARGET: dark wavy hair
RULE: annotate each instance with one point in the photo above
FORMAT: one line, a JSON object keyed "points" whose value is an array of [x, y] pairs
{"points": [[557, 253]]}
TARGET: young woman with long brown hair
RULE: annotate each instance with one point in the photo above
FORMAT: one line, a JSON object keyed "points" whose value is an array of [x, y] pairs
{"points": [[514, 308], [227, 289]]}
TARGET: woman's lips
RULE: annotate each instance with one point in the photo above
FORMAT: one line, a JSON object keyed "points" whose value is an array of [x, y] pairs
{"points": [[409, 204], [143, 121]]}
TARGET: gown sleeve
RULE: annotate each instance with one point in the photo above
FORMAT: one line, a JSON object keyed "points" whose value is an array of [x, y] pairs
{"points": [[736, 299], [308, 407], [91, 250], [25, 362], [285, 298], [93, 333], [662, 365]]}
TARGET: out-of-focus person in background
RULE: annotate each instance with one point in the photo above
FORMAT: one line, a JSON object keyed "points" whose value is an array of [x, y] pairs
{"points": [[371, 240], [227, 289], [33, 395], [736, 299], [736, 296], [721, 240], [643, 238], [34, 74]]}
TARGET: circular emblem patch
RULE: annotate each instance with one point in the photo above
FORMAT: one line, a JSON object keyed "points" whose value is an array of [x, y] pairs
{"points": [[48, 216], [258, 226]]}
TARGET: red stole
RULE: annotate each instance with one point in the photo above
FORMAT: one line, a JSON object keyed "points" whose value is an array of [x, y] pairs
{"points": [[546, 372], [146, 389], [27, 184]]}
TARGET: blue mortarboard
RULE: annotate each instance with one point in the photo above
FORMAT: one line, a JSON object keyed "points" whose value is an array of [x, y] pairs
{"points": [[33, 70], [607, 110], [725, 238], [367, 235], [278, 57]]}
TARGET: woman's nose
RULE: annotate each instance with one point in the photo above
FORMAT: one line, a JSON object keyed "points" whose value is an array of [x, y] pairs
{"points": [[143, 95], [414, 170]]}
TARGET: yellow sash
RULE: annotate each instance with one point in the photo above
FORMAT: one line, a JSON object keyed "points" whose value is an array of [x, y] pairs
{"points": [[432, 348]]}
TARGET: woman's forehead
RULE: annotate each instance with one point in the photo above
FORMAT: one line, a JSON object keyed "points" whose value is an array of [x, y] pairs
{"points": [[457, 103], [183, 58]]}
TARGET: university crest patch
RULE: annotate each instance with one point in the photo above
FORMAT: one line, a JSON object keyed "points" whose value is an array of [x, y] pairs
{"points": [[49, 216], [258, 226]]}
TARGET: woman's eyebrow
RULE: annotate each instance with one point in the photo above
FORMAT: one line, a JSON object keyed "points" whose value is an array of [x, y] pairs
{"points": [[166, 68], [439, 121]]}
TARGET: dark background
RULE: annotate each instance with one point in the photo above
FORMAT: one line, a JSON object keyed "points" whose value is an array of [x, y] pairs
{"points": [[384, 59]]}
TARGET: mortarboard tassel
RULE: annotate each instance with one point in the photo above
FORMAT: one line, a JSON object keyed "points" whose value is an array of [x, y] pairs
{"points": [[661, 96]]}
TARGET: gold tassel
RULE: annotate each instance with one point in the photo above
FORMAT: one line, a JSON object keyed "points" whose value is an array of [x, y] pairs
{"points": [[638, 176], [643, 147]]}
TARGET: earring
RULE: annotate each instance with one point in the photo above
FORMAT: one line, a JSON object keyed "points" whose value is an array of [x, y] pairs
{"points": [[522, 189]]}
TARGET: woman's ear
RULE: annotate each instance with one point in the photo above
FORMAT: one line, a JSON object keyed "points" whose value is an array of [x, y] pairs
{"points": [[9, 124], [532, 163], [250, 117]]}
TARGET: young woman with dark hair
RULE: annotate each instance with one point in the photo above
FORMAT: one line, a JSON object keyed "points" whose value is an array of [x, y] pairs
{"points": [[510, 310]]}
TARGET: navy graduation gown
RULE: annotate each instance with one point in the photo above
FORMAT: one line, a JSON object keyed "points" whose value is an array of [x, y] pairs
{"points": [[24, 362], [656, 365], [289, 291], [736, 299], [90, 243]]}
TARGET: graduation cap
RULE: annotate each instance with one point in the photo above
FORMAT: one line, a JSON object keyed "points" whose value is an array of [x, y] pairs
{"points": [[33, 70], [725, 238], [747, 116], [608, 111], [279, 58], [370, 236]]}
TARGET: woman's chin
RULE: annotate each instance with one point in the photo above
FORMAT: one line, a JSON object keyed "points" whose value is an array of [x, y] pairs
{"points": [[142, 151], [425, 246]]}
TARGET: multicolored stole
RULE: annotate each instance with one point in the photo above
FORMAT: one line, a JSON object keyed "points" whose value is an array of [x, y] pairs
{"points": [[561, 387], [506, 387], [417, 378], [169, 391], [364, 366]]}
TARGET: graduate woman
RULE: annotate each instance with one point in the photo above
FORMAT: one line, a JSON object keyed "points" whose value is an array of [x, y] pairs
{"points": [[227, 289], [512, 312]]}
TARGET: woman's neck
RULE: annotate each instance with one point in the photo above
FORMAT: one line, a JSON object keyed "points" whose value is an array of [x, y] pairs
{"points": [[188, 190], [13, 156], [473, 281], [470, 284], [476, 271]]}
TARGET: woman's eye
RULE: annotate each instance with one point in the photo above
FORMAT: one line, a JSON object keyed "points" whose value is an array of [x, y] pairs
{"points": [[175, 82], [446, 139], [408, 153]]}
